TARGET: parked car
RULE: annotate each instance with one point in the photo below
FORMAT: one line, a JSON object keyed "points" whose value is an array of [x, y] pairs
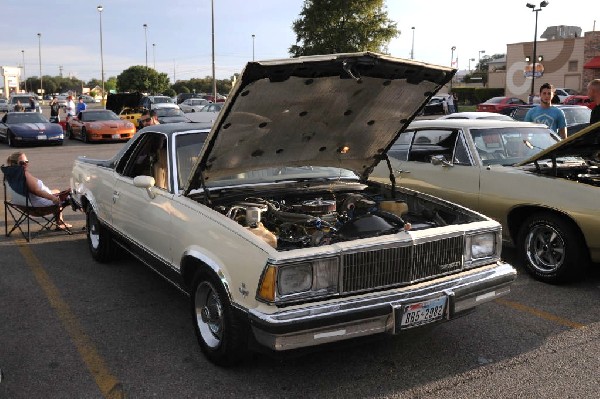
{"points": [[193, 104], [207, 113], [29, 128], [155, 102], [576, 116], [579, 100], [3, 105], [132, 115], [89, 99], [563, 93], [62, 100], [99, 125], [497, 104], [270, 224], [544, 191], [24, 98], [477, 115], [171, 115], [435, 106], [181, 97]]}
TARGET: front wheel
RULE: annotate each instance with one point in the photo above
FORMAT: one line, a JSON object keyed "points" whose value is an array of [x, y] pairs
{"points": [[222, 335], [98, 238], [9, 139], [69, 132], [552, 249], [84, 136]]}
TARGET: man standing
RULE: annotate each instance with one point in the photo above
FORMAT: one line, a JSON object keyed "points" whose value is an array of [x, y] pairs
{"points": [[81, 106], [593, 92], [548, 114], [70, 108]]}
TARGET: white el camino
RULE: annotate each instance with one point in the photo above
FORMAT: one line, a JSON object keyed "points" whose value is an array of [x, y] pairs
{"points": [[269, 221]]}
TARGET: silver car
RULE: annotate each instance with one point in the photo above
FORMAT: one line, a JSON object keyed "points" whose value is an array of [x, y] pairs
{"points": [[193, 104]]}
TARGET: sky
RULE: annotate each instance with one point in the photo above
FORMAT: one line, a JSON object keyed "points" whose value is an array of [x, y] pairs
{"points": [[178, 37]]}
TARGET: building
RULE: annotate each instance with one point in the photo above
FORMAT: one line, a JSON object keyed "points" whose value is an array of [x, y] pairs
{"points": [[568, 60]]}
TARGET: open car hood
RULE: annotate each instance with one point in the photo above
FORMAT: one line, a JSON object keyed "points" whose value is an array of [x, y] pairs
{"points": [[584, 143], [340, 110]]}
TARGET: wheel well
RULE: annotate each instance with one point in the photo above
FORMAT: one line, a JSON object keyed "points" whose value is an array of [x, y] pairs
{"points": [[518, 215], [189, 268]]}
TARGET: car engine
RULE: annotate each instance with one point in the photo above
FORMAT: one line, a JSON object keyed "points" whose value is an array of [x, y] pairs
{"points": [[293, 222]]}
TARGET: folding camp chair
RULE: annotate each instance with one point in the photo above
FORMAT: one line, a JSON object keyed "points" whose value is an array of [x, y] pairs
{"points": [[18, 206]]}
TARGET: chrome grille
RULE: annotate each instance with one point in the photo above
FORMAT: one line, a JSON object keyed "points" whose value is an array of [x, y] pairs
{"points": [[398, 266]]}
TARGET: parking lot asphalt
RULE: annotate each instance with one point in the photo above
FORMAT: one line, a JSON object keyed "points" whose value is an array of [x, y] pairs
{"points": [[74, 328]]}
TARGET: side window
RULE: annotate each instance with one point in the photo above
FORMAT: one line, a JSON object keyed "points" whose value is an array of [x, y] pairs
{"points": [[149, 158], [461, 153], [427, 143], [399, 149]]}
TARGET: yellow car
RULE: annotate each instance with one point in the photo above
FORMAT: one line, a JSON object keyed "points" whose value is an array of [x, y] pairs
{"points": [[132, 115]]}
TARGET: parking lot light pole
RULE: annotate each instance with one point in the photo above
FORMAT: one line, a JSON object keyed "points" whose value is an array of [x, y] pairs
{"points": [[24, 78], [154, 55], [536, 10], [39, 35], [146, 42], [212, 21], [100, 8], [412, 48], [470, 59], [253, 36], [479, 65], [452, 63]]}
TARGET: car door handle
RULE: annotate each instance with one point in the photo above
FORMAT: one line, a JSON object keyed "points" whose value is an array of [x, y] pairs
{"points": [[115, 197], [402, 171]]}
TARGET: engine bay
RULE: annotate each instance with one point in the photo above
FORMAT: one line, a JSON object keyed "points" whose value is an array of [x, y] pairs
{"points": [[586, 172], [299, 219]]}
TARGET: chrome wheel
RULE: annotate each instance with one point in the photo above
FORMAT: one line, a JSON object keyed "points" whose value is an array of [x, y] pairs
{"points": [[209, 314], [545, 248], [93, 229]]}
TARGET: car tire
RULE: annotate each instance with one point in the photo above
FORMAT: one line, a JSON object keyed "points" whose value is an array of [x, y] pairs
{"points": [[551, 248], [99, 238], [84, 136], [193, 110], [222, 335]]}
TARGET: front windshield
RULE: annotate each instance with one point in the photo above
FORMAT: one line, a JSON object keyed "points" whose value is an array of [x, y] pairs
{"points": [[160, 100], [511, 145], [90, 116], [25, 117], [169, 112], [577, 115]]}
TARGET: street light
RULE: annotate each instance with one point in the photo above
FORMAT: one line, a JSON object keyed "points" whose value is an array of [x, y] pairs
{"points": [[452, 62], [146, 41], [412, 49], [470, 59], [253, 47], [212, 21], [480, 52], [100, 8], [24, 78], [536, 10], [39, 35], [154, 55]]}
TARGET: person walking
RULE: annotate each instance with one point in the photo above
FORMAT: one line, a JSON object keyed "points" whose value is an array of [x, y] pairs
{"points": [[54, 110], [593, 92], [450, 100], [547, 114], [81, 106]]}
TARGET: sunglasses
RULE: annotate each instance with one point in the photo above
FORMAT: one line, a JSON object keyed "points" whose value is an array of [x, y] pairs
{"points": [[23, 163]]}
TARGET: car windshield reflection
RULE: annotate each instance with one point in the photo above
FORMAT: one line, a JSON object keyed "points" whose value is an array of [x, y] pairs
{"points": [[91, 116], [508, 146]]}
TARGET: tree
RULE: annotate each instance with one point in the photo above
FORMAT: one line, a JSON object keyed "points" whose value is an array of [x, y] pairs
{"points": [[340, 26], [142, 79]]}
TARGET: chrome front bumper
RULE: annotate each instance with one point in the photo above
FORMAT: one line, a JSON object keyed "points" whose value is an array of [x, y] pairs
{"points": [[376, 312]]}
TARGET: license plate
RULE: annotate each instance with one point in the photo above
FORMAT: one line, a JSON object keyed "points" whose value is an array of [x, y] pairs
{"points": [[116, 136], [41, 137], [420, 313]]}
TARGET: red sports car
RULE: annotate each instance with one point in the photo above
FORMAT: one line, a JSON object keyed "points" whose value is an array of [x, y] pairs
{"points": [[580, 100], [99, 125], [497, 104]]}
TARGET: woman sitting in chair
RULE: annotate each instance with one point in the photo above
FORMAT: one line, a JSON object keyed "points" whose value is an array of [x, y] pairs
{"points": [[39, 194]]}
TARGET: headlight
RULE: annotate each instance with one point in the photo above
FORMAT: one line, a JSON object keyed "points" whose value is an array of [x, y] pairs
{"points": [[482, 245], [299, 280], [293, 279]]}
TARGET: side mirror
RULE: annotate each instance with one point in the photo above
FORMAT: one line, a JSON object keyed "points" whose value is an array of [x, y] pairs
{"points": [[440, 160], [146, 182]]}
